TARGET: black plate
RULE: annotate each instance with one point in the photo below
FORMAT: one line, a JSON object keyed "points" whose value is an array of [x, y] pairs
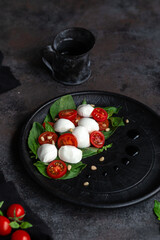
{"points": [[130, 172]]}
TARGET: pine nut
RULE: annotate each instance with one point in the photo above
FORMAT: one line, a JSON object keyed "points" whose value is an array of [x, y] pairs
{"points": [[71, 130], [93, 168], [86, 184], [69, 167], [107, 129], [92, 105], [127, 120], [101, 159], [55, 119], [53, 142]]}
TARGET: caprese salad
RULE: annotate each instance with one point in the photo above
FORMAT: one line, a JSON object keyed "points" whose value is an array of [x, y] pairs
{"points": [[69, 134]]}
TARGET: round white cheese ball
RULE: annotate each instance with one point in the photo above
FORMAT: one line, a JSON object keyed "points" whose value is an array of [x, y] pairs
{"points": [[47, 152], [85, 110], [63, 125], [89, 123], [70, 154], [82, 136]]}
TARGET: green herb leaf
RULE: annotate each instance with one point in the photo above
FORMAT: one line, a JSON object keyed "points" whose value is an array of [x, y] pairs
{"points": [[117, 121], [1, 203], [90, 151], [156, 209], [41, 168], [65, 102], [25, 225], [1, 213], [112, 110], [48, 127], [36, 130], [48, 118], [84, 101], [74, 172], [14, 224], [104, 148]]}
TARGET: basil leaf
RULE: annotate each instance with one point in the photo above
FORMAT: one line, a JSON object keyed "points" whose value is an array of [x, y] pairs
{"points": [[1, 203], [41, 168], [36, 130], [117, 121], [104, 148], [90, 151], [84, 101], [156, 209], [1, 213], [48, 127], [65, 102], [14, 224], [48, 118], [74, 172], [112, 110], [25, 225]]}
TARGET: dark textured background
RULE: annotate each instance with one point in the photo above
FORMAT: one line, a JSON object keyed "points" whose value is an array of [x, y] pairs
{"points": [[125, 59]]}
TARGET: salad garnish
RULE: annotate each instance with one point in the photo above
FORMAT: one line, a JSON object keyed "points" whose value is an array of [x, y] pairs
{"points": [[69, 134]]}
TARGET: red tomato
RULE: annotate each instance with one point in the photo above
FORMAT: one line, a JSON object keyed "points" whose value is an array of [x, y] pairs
{"points": [[56, 169], [75, 121], [20, 235], [69, 114], [47, 137], [67, 139], [51, 123], [103, 125], [5, 228], [99, 114], [16, 210], [97, 139]]}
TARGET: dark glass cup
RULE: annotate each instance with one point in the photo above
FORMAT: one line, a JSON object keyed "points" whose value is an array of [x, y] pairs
{"points": [[68, 56]]}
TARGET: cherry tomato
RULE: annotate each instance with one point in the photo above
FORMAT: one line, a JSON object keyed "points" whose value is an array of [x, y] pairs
{"points": [[5, 228], [67, 139], [56, 169], [47, 137], [15, 210], [97, 139], [99, 114], [51, 123], [75, 121], [103, 125], [20, 235], [69, 114]]}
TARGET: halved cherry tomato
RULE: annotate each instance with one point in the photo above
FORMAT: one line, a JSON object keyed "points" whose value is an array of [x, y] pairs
{"points": [[69, 114], [97, 139], [20, 235], [5, 228], [103, 125], [51, 123], [47, 137], [56, 169], [67, 139], [16, 211], [99, 114], [75, 121]]}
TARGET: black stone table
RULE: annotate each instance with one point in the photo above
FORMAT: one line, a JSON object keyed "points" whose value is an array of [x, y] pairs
{"points": [[125, 59]]}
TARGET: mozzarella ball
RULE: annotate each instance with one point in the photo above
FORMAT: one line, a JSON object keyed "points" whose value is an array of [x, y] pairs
{"points": [[70, 154], [89, 123], [82, 136], [85, 110], [63, 125], [47, 152]]}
